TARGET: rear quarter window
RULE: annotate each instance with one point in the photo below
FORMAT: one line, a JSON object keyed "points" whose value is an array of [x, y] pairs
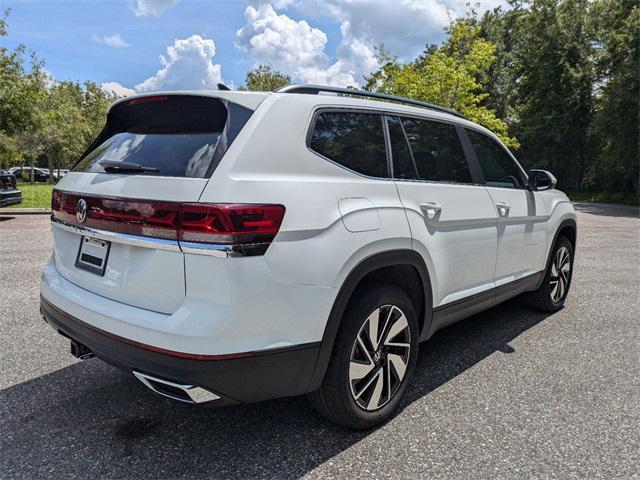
{"points": [[352, 139]]}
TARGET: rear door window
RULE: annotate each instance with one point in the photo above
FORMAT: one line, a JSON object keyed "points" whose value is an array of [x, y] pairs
{"points": [[352, 139], [498, 167], [434, 151], [180, 136]]}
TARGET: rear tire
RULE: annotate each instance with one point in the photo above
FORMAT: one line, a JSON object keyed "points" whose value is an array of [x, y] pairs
{"points": [[551, 295], [373, 359]]}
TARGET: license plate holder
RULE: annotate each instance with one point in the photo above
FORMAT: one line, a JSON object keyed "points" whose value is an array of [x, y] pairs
{"points": [[93, 254]]}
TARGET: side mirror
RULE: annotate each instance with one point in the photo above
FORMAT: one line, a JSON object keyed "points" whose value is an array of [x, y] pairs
{"points": [[541, 180]]}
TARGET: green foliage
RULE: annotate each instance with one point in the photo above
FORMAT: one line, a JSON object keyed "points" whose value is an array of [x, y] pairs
{"points": [[566, 82], [616, 31], [263, 79], [20, 91], [41, 117], [609, 197], [554, 89], [452, 76]]}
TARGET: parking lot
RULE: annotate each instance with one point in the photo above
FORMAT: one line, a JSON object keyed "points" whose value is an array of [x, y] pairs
{"points": [[507, 393]]}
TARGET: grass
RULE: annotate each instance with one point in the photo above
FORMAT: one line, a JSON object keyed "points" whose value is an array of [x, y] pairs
{"points": [[37, 195]]}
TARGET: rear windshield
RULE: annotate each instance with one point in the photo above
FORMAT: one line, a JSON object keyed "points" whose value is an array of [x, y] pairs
{"points": [[180, 136]]}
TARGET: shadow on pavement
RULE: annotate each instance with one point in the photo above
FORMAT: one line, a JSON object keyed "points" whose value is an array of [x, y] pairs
{"points": [[92, 420], [608, 209]]}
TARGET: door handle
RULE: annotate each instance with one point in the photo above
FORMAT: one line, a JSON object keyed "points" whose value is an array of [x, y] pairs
{"points": [[431, 209], [503, 208]]}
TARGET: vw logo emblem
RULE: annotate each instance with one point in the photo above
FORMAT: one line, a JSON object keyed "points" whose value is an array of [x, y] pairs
{"points": [[81, 210]]}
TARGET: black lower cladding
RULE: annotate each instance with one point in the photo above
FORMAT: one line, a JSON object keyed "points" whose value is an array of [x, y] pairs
{"points": [[9, 197], [279, 373]]}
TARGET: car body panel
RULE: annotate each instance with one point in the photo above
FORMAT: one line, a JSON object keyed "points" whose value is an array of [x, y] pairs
{"points": [[335, 220], [135, 275], [522, 233], [461, 239]]}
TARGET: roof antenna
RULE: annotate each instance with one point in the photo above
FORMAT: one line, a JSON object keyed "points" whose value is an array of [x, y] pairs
{"points": [[222, 86]]}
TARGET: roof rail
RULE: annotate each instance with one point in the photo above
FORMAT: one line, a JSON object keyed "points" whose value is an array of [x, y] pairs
{"points": [[316, 89]]}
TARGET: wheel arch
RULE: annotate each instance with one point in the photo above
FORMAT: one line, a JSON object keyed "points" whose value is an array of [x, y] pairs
{"points": [[373, 268], [567, 228]]}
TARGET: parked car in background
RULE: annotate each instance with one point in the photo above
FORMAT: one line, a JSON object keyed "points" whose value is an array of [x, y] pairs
{"points": [[58, 173], [23, 174], [259, 245], [9, 193]]}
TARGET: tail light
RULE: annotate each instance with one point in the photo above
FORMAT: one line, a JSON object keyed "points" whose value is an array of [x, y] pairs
{"points": [[233, 225], [230, 224], [152, 99]]}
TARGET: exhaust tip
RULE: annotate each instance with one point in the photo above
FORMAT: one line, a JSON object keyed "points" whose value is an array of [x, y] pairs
{"points": [[176, 391], [80, 351]]}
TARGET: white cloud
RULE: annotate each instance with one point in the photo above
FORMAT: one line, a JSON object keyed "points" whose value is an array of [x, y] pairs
{"points": [[115, 40], [187, 66], [404, 26], [143, 8], [289, 45], [279, 40], [278, 4], [118, 89]]}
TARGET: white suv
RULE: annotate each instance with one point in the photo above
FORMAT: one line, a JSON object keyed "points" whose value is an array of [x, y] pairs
{"points": [[234, 246]]}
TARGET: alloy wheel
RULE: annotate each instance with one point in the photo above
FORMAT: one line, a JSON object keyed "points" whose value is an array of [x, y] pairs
{"points": [[379, 357], [560, 274]]}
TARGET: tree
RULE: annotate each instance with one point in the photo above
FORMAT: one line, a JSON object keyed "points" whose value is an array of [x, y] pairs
{"points": [[615, 28], [71, 116], [451, 75], [20, 93], [68, 119], [502, 29], [553, 82], [263, 79]]}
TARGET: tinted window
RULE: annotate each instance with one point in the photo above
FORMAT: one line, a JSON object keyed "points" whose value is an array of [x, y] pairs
{"points": [[176, 155], [403, 164], [436, 151], [354, 140], [498, 167], [181, 136]]}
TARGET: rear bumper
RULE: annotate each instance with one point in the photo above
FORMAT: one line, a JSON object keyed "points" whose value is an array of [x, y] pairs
{"points": [[257, 376]]}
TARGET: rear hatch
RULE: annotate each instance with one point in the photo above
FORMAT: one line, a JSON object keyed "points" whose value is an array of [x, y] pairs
{"points": [[115, 215]]}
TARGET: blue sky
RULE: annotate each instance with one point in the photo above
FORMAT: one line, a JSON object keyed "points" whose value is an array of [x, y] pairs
{"points": [[119, 42]]}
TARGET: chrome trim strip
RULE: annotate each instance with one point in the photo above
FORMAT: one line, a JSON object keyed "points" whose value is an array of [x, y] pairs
{"points": [[134, 240], [214, 250], [195, 394], [224, 251]]}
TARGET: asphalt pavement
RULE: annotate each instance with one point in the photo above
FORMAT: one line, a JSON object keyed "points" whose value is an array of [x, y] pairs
{"points": [[509, 393]]}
